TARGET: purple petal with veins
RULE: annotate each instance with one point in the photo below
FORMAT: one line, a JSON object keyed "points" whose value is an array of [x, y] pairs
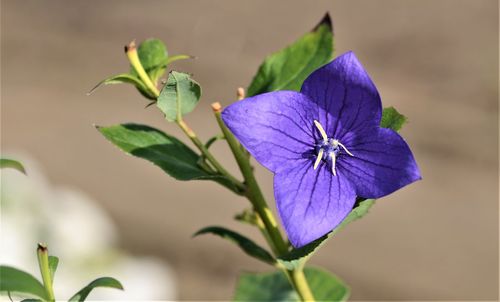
{"points": [[324, 145]]}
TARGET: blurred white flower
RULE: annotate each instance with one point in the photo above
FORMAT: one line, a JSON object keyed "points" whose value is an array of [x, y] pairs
{"points": [[77, 231]]}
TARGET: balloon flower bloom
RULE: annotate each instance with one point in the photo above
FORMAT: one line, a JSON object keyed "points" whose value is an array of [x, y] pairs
{"points": [[324, 145]]}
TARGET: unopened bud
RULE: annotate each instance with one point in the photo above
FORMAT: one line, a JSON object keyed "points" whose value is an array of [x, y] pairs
{"points": [[240, 93], [216, 107]]}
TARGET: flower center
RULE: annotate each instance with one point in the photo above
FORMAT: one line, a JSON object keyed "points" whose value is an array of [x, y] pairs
{"points": [[328, 149]]}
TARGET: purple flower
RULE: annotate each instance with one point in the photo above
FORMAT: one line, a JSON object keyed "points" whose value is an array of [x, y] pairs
{"points": [[324, 145]]}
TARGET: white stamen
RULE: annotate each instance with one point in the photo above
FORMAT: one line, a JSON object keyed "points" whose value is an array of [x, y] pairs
{"points": [[345, 149], [333, 157], [318, 159], [321, 130]]}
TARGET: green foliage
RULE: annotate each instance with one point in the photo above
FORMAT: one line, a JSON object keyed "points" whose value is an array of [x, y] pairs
{"points": [[275, 287], [167, 152], [53, 263], [179, 96], [392, 119], [13, 164], [126, 78], [248, 216], [297, 258], [154, 58], [289, 67], [100, 282], [19, 282], [247, 245]]}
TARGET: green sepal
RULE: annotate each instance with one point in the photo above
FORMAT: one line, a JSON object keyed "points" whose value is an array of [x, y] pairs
{"points": [[275, 287], [165, 151], [247, 245], [22, 283], [53, 263], [247, 216], [125, 78], [100, 282], [154, 58], [297, 257], [12, 164], [288, 68], [392, 119], [178, 58], [179, 96]]}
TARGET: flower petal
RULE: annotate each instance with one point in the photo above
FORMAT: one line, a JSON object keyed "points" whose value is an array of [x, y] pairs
{"points": [[276, 127], [311, 202], [348, 97], [382, 162]]}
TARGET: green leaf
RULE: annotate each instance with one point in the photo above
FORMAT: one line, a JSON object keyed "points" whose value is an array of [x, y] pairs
{"points": [[100, 282], [248, 216], [275, 287], [179, 96], [247, 245], [16, 281], [13, 164], [125, 78], [167, 152], [289, 67], [53, 263], [297, 258], [154, 58], [392, 119]]}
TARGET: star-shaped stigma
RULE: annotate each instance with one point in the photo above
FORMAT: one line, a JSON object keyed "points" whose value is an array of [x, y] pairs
{"points": [[324, 145], [327, 149]]}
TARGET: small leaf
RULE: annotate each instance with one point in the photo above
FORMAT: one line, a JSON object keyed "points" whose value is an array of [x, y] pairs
{"points": [[53, 263], [100, 282], [288, 68], [297, 258], [177, 58], [13, 164], [179, 96], [248, 216], [213, 139], [275, 287], [125, 78], [17, 281], [167, 152], [154, 58], [392, 119], [247, 245]]}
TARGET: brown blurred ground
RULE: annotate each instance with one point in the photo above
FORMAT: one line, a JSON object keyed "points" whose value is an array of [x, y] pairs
{"points": [[436, 61]]}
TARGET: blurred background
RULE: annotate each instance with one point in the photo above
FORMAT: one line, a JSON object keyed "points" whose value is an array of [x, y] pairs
{"points": [[435, 61]]}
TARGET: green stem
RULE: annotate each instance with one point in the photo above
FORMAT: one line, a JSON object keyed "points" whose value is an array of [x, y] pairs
{"points": [[43, 262], [203, 149], [299, 282], [254, 194], [133, 57]]}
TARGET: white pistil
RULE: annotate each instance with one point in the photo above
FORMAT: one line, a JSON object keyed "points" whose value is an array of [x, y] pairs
{"points": [[333, 157], [321, 130], [331, 146], [318, 158]]}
